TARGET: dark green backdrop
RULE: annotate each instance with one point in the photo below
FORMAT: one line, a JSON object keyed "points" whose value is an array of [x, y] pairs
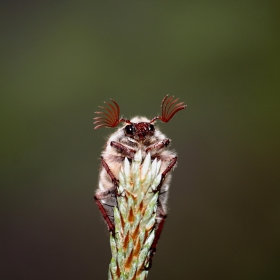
{"points": [[61, 59]]}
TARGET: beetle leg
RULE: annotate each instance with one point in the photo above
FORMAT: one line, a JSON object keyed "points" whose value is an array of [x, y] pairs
{"points": [[158, 145], [128, 152], [97, 199], [165, 172], [153, 248], [115, 181]]}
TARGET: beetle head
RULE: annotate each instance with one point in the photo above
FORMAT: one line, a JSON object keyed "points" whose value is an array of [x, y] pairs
{"points": [[139, 131]]}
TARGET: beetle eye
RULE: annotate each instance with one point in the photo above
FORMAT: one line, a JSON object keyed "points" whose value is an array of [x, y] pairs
{"points": [[129, 129], [151, 127]]}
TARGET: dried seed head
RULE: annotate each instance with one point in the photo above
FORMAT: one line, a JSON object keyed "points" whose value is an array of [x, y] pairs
{"points": [[137, 207]]}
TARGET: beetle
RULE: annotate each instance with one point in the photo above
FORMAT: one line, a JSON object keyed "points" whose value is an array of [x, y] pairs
{"points": [[136, 133]]}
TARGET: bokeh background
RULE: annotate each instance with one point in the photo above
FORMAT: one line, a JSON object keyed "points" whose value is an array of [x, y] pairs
{"points": [[61, 59]]}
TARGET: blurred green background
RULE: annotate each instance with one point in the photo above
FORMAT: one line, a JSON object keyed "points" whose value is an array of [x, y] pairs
{"points": [[61, 59]]}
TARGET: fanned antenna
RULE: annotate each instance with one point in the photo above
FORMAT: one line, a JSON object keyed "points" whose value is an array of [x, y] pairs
{"points": [[169, 109], [111, 115]]}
